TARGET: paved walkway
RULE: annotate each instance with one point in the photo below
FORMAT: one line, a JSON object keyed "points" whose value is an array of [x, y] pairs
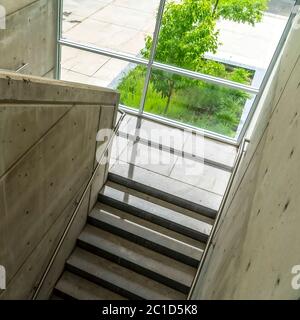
{"points": [[122, 25], [172, 154]]}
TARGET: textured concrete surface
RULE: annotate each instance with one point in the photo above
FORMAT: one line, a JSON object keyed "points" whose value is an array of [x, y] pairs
{"points": [[256, 244], [29, 37], [48, 152]]}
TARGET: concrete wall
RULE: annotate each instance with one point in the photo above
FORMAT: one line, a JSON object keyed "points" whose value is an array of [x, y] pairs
{"points": [[257, 242], [48, 152], [30, 36]]}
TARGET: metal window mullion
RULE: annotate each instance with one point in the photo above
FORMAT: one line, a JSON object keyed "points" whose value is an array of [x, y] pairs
{"points": [[206, 78], [104, 52], [160, 66], [58, 38], [141, 61], [152, 53], [178, 125], [267, 76]]}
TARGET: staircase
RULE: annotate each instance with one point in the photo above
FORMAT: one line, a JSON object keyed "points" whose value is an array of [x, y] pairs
{"points": [[138, 243]]}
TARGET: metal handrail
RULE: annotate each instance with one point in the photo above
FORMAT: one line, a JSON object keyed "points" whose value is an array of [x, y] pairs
{"points": [[19, 69], [22, 67], [72, 219], [219, 215]]}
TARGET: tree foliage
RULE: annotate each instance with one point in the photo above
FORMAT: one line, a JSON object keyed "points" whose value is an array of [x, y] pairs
{"points": [[244, 11], [189, 31]]}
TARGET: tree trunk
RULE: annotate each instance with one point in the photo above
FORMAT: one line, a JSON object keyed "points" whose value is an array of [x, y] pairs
{"points": [[216, 7], [169, 98]]}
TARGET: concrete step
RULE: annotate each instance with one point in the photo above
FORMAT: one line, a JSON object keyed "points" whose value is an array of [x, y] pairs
{"points": [[165, 217], [160, 202], [119, 279], [152, 264], [203, 202], [150, 235], [71, 286]]}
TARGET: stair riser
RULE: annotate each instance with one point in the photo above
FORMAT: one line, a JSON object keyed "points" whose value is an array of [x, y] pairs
{"points": [[210, 213], [133, 266], [152, 218], [146, 243], [103, 283]]}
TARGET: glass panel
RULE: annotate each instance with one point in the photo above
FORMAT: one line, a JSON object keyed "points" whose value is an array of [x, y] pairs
{"points": [[120, 25], [94, 69], [215, 37], [208, 106]]}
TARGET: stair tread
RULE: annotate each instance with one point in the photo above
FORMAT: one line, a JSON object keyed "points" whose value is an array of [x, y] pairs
{"points": [[148, 231], [81, 289], [138, 255], [195, 196], [160, 202], [157, 210], [121, 277]]}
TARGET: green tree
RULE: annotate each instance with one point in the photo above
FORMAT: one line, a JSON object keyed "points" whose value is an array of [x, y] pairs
{"points": [[189, 31]]}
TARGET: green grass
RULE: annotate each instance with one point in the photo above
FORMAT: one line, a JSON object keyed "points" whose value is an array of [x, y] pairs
{"points": [[203, 105]]}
